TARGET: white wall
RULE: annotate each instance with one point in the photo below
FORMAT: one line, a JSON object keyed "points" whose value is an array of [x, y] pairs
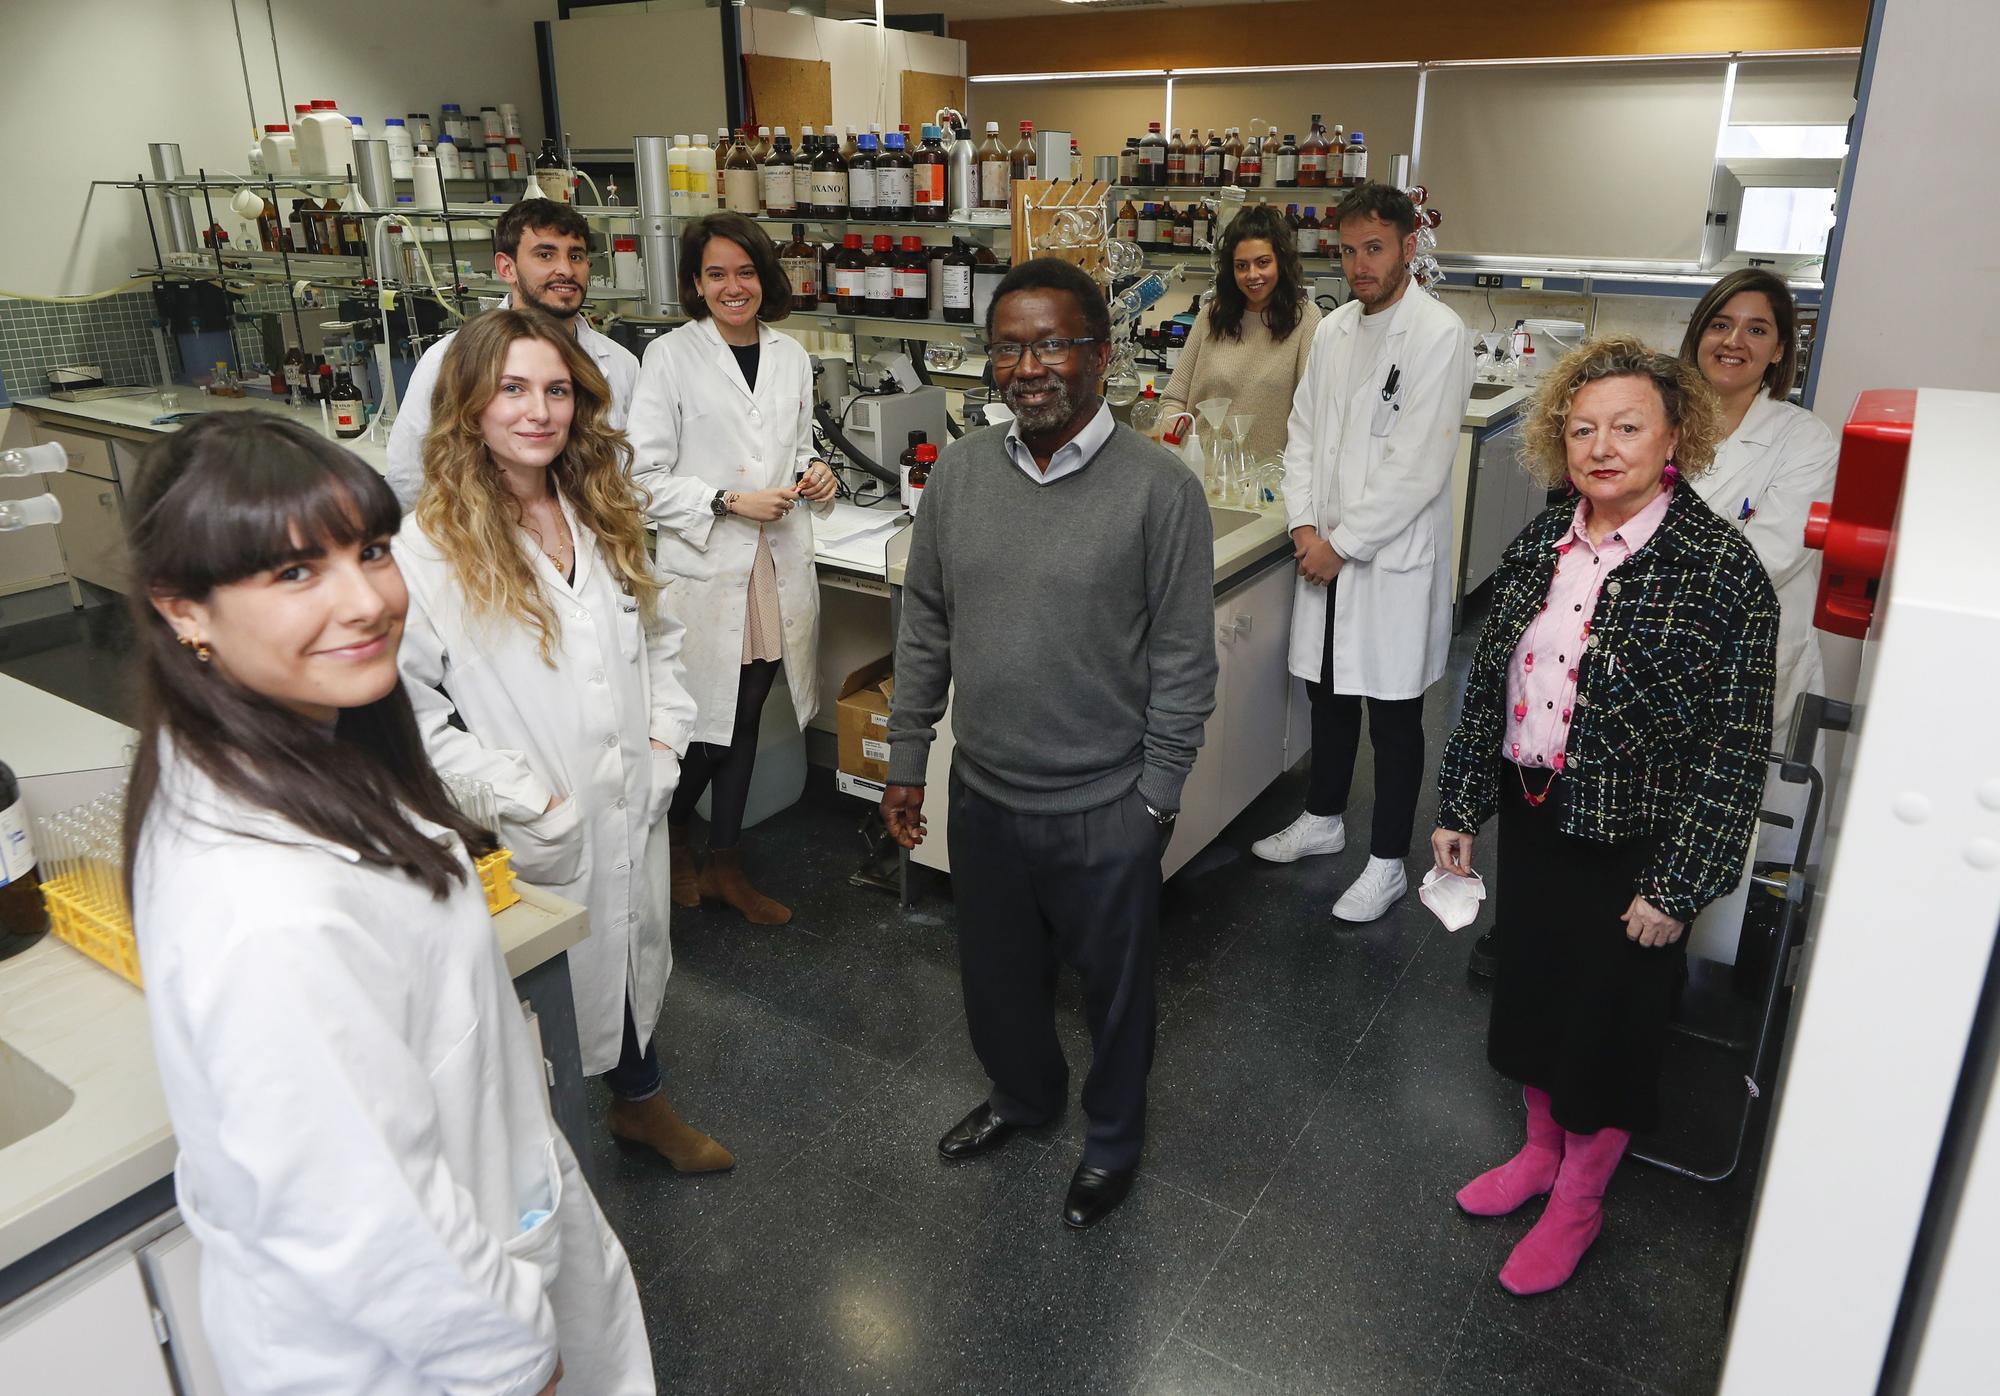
{"points": [[863, 91], [88, 83], [1915, 300]]}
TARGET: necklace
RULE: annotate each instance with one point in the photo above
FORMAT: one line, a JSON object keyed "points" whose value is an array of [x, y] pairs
{"points": [[1534, 799], [563, 548]]}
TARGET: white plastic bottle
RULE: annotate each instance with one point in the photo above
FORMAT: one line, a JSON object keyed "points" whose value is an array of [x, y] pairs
{"points": [[281, 152], [449, 163], [360, 128], [326, 142], [701, 176], [680, 196], [428, 180], [402, 150]]}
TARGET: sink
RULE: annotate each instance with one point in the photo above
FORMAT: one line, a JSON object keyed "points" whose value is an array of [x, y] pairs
{"points": [[30, 1098], [1228, 521], [1481, 392]]}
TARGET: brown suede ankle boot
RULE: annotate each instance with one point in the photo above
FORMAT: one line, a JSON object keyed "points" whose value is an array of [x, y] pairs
{"points": [[722, 880], [684, 885], [652, 1122]]}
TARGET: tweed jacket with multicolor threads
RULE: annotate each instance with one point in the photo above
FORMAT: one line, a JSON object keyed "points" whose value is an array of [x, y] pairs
{"points": [[1673, 701]]}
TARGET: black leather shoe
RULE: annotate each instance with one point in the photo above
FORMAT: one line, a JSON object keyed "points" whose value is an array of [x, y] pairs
{"points": [[975, 1134], [1094, 1194], [1484, 960]]}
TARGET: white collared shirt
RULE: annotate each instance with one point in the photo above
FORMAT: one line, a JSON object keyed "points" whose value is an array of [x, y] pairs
{"points": [[1071, 456], [619, 365]]}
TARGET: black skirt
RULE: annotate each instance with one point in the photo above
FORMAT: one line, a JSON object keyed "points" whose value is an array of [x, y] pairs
{"points": [[1578, 1010]]}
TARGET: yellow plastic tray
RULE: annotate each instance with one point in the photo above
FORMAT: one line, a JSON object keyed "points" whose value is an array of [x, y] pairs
{"points": [[496, 875], [105, 933], [93, 926]]}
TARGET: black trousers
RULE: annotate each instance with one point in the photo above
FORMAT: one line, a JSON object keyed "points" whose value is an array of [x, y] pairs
{"points": [[1395, 730], [1036, 892], [1578, 1009], [729, 767]]}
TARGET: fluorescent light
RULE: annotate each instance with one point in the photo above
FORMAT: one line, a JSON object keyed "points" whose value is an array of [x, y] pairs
{"points": [[1289, 68], [1070, 77], [1579, 58]]}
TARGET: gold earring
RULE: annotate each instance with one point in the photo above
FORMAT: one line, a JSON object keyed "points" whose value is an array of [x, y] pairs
{"points": [[201, 650]]}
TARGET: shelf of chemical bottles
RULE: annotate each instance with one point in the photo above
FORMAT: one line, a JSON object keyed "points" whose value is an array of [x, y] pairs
{"points": [[891, 327], [1317, 195], [323, 269], [897, 228]]}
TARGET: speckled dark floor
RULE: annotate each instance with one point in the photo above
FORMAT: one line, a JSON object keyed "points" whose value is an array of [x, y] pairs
{"points": [[1319, 1094]]}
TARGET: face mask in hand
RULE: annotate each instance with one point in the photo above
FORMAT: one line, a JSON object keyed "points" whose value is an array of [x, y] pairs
{"points": [[1454, 900]]}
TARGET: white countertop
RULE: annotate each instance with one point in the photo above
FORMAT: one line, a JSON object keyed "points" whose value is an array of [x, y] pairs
{"points": [[43, 735], [134, 416], [1483, 411]]}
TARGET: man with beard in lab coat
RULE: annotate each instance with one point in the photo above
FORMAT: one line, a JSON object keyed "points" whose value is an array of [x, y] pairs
{"points": [[1368, 461], [541, 248]]}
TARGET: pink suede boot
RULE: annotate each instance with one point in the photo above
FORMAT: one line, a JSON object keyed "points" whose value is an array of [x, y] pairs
{"points": [[1530, 1173], [1547, 1256]]}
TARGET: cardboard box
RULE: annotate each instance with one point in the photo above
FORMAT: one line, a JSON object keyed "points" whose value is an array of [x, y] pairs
{"points": [[862, 719]]}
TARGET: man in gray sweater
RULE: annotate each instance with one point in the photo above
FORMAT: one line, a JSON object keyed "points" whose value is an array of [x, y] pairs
{"points": [[1061, 588]]}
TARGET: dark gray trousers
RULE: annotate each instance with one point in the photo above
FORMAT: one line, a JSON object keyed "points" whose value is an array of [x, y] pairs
{"points": [[1036, 892]]}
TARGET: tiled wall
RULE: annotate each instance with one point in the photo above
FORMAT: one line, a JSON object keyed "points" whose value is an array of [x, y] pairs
{"points": [[114, 333]]}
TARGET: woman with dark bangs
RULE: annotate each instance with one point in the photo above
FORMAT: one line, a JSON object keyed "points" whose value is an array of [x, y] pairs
{"points": [[366, 1153], [535, 622]]}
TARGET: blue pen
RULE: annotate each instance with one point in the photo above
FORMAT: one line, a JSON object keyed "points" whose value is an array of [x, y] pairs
{"points": [[1744, 517]]}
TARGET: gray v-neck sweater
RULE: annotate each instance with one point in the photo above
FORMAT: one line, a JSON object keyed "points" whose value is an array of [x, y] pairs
{"points": [[1072, 624]]}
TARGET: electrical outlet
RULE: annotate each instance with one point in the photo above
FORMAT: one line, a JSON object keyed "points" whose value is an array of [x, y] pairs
{"points": [[1489, 280], [1531, 283]]}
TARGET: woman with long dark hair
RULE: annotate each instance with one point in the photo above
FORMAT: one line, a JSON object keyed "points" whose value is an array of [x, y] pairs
{"points": [[1250, 344], [366, 1153], [535, 622], [722, 440]]}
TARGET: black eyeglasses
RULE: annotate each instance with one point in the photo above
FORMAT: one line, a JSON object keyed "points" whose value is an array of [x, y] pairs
{"points": [[1053, 353]]}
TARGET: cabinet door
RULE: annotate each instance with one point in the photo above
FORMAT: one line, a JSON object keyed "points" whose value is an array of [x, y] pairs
{"points": [[1257, 618], [92, 530], [87, 1332], [172, 1267], [88, 455]]}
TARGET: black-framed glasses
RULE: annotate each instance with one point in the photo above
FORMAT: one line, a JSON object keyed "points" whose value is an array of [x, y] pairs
{"points": [[1053, 353]]}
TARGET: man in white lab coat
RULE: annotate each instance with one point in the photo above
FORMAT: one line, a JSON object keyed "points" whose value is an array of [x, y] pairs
{"points": [[541, 248], [1368, 459]]}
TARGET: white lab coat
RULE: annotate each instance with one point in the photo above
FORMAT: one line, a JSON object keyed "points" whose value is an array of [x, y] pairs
{"points": [[1778, 461], [1374, 478], [696, 428], [363, 1124], [579, 730], [619, 365]]}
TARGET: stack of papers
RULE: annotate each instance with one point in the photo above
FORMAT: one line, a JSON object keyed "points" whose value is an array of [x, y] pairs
{"points": [[852, 536]]}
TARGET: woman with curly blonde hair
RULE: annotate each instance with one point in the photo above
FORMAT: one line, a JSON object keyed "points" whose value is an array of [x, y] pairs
{"points": [[540, 662], [1617, 718]]}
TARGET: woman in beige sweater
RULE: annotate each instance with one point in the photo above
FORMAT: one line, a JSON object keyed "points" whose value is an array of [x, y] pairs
{"points": [[1250, 344]]}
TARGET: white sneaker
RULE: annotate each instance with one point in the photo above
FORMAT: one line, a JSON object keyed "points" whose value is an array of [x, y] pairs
{"points": [[1304, 837], [1378, 888]]}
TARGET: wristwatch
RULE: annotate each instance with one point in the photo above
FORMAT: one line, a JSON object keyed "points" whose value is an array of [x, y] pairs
{"points": [[1163, 818], [719, 506]]}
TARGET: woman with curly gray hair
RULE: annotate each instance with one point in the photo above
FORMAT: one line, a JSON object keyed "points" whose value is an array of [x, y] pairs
{"points": [[1616, 718]]}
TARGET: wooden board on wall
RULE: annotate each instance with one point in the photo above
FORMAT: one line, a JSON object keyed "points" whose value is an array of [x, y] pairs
{"points": [[788, 92], [925, 93]]}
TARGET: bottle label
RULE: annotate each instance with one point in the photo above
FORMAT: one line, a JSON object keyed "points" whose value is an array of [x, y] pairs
{"points": [[1184, 235], [829, 189], [1128, 229], [861, 188], [850, 282], [739, 190], [802, 186], [677, 179], [1211, 166], [347, 417], [1312, 162], [879, 283], [957, 288], [802, 272], [911, 284], [1288, 168], [1148, 229], [17, 848], [1355, 167], [778, 187], [894, 188], [927, 186], [996, 182]]}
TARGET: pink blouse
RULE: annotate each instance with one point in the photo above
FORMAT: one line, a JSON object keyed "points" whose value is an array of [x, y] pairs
{"points": [[1541, 678]]}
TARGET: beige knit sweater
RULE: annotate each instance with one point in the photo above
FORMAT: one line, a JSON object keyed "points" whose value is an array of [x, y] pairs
{"points": [[1255, 372]]}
